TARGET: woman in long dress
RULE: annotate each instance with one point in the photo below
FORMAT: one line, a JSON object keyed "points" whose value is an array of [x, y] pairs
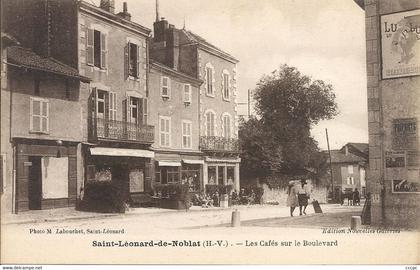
{"points": [[292, 199], [303, 196]]}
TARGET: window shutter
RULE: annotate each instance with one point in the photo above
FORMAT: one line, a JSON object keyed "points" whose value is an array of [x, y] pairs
{"points": [[103, 51], [47, 114], [31, 109], [127, 60], [144, 111], [89, 47], [125, 110], [112, 106], [95, 97], [107, 105], [138, 61], [128, 110]]}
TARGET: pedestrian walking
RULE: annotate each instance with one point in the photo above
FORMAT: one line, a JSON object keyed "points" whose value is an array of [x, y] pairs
{"points": [[303, 196], [292, 200]]}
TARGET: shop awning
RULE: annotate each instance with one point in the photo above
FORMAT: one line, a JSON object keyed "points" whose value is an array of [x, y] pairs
{"points": [[168, 163], [193, 161], [121, 152]]}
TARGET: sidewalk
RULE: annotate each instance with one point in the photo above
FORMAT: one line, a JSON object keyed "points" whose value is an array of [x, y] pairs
{"points": [[251, 212]]}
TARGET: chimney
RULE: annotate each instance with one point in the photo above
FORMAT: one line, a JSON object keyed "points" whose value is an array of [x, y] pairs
{"points": [[346, 150], [172, 50], [160, 28], [108, 5], [124, 14]]}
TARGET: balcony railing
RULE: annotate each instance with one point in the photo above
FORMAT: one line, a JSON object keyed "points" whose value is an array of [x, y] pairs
{"points": [[104, 129], [215, 143]]}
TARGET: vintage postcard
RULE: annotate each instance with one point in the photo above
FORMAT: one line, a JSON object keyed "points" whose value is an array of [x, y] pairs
{"points": [[210, 132]]}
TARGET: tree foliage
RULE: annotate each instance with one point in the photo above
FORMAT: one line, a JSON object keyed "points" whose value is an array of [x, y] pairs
{"points": [[278, 140]]}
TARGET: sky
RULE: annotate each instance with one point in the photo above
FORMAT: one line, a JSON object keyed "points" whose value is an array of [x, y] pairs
{"points": [[324, 39]]}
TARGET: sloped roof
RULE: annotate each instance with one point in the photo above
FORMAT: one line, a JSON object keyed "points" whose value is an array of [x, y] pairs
{"points": [[25, 57], [192, 37], [361, 147], [338, 156]]}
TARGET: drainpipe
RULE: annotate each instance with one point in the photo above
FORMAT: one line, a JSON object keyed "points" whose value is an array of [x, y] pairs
{"points": [[14, 181]]}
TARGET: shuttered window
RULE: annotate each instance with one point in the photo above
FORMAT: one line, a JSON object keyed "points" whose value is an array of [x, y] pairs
{"points": [[165, 87], [96, 49], [210, 117], [39, 115], [187, 93], [165, 131], [226, 126], [186, 134]]}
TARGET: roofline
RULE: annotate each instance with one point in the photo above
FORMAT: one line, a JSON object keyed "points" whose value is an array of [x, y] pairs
{"points": [[80, 77], [155, 65], [218, 53], [113, 18]]}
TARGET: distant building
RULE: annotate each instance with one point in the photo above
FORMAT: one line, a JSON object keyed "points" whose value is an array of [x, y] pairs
{"points": [[349, 168], [393, 69]]}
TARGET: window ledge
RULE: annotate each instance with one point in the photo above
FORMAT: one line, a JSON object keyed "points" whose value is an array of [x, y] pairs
{"points": [[226, 99], [39, 132], [99, 69], [132, 78], [165, 98], [209, 95], [187, 103]]}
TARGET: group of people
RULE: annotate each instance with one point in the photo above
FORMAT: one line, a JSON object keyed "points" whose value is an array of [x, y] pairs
{"points": [[353, 197], [298, 196], [205, 200]]}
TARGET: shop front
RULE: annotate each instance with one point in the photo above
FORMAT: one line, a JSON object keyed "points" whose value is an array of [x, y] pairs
{"points": [[129, 169], [222, 171], [179, 169], [46, 174]]}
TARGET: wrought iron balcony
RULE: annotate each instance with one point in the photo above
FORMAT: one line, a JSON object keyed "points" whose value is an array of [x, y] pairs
{"points": [[104, 129], [219, 144]]}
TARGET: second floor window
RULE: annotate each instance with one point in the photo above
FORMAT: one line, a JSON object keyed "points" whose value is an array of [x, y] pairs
{"points": [[187, 93], [226, 93], [39, 115], [186, 134], [96, 49], [210, 117], [134, 61], [165, 131], [165, 87], [226, 126], [209, 81]]}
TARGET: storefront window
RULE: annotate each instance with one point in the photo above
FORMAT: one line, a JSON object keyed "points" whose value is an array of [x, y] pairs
{"points": [[166, 175], [192, 178], [220, 174], [230, 175], [212, 175]]}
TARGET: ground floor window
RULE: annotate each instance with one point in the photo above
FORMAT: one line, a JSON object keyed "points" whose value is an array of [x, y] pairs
{"points": [[212, 175], [166, 175], [224, 174], [191, 174]]}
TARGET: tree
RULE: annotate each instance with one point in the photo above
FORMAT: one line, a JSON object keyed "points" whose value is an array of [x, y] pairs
{"points": [[288, 104]]}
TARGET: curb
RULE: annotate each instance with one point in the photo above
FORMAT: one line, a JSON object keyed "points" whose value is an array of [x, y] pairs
{"points": [[129, 213]]}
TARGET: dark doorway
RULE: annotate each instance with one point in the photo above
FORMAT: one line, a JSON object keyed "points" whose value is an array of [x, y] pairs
{"points": [[35, 183]]}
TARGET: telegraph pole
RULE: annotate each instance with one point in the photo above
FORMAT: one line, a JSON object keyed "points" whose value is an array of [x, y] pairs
{"points": [[249, 103], [331, 171]]}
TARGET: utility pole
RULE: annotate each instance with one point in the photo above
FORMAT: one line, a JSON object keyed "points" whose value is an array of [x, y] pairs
{"points": [[249, 103], [331, 171]]}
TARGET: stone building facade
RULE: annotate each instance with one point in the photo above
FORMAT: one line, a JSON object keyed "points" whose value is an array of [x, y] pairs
{"points": [[115, 103], [39, 101], [392, 53], [190, 54]]}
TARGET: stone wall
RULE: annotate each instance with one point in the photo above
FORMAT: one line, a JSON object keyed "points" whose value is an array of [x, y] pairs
{"points": [[279, 195]]}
